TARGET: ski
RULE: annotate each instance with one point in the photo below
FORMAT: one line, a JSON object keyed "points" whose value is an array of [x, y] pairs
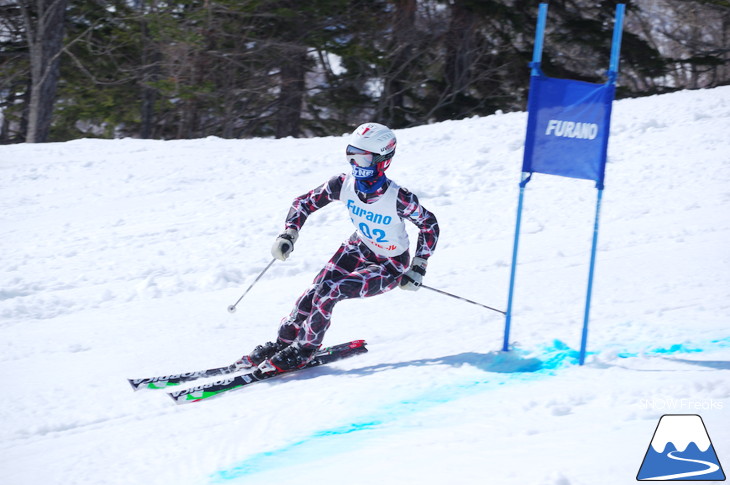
{"points": [[212, 389], [162, 382]]}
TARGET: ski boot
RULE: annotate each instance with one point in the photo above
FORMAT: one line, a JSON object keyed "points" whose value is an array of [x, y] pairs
{"points": [[260, 354], [290, 358]]}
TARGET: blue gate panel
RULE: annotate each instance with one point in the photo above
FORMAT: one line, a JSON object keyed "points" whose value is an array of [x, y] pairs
{"points": [[568, 127]]}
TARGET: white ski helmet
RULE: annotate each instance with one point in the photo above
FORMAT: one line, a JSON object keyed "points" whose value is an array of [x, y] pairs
{"points": [[370, 150]]}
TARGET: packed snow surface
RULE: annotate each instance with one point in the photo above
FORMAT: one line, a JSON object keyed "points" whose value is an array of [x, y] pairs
{"points": [[120, 257]]}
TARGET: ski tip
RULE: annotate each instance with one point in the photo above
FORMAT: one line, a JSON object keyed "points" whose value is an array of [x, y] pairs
{"points": [[177, 397], [357, 344], [134, 386]]}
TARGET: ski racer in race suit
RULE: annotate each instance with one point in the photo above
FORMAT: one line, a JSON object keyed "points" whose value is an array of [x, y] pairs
{"points": [[375, 259]]}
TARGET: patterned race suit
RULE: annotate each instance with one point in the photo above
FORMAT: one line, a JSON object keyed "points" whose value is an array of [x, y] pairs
{"points": [[354, 271]]}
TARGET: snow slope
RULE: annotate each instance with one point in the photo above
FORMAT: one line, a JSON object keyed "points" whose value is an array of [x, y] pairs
{"points": [[118, 259]]}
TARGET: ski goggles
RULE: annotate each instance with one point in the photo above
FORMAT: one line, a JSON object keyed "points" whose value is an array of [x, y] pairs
{"points": [[361, 158]]}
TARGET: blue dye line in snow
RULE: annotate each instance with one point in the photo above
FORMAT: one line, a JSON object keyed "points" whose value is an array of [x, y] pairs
{"points": [[685, 348], [505, 367], [321, 443]]}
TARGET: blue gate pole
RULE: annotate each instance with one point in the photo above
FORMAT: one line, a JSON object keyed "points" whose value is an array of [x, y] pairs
{"points": [[535, 66], [539, 35], [591, 271], [616, 41], [513, 270], [612, 75]]}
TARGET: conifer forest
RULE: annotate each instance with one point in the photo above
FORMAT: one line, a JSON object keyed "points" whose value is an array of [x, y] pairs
{"points": [[300, 68]]}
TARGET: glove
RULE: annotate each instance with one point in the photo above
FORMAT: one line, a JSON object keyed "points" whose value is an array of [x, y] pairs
{"points": [[411, 279], [284, 244]]}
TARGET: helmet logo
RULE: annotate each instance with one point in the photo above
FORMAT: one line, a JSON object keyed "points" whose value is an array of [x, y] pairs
{"points": [[389, 146]]}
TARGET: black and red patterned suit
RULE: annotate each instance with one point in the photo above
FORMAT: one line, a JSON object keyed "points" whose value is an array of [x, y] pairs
{"points": [[355, 270]]}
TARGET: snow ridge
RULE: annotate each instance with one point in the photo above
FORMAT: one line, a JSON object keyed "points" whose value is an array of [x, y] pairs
{"points": [[120, 257]]}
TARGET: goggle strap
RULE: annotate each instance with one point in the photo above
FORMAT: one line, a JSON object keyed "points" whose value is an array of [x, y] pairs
{"points": [[382, 158]]}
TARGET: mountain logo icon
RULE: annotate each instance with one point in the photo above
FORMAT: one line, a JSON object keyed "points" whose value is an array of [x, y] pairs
{"points": [[680, 450]]}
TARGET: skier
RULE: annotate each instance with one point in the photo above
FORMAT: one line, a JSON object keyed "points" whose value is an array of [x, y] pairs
{"points": [[375, 259]]}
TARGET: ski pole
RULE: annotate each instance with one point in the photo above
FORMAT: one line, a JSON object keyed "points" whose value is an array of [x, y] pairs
{"points": [[463, 299], [232, 308]]}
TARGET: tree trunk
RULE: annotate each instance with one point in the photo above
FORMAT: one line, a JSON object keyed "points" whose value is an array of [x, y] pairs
{"points": [[44, 21], [291, 94], [459, 49], [392, 109], [149, 75]]}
